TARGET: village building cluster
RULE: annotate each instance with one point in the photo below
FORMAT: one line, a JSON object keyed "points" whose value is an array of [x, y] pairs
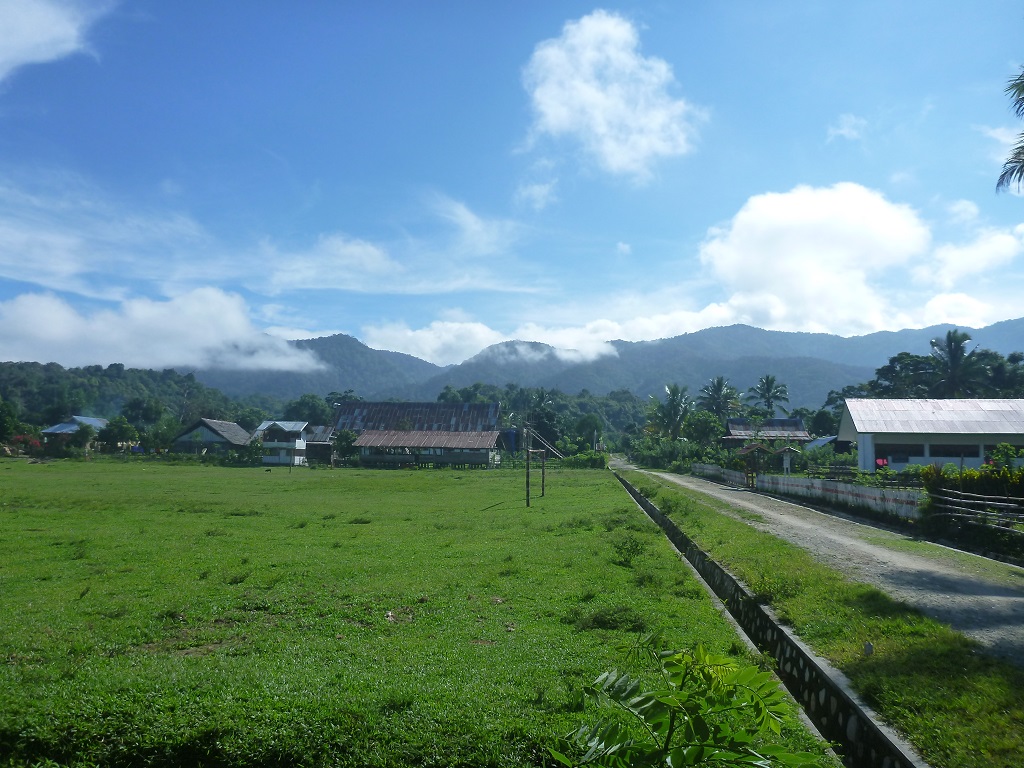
{"points": [[890, 434]]}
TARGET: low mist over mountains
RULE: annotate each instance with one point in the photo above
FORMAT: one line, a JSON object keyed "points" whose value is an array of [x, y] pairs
{"points": [[810, 364]]}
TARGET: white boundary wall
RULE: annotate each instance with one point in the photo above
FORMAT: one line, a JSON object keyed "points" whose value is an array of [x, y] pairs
{"points": [[730, 476], [903, 504]]}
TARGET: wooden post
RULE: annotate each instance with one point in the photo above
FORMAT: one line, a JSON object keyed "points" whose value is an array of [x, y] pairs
{"points": [[527, 454], [543, 474]]}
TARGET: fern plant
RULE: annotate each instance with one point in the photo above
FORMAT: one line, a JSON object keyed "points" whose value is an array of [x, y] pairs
{"points": [[708, 710]]}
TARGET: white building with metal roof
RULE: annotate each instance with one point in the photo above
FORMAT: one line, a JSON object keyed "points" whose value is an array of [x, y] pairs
{"points": [[284, 442], [896, 433]]}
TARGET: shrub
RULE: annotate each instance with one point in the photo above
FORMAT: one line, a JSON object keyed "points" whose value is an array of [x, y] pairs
{"points": [[692, 717], [586, 460]]}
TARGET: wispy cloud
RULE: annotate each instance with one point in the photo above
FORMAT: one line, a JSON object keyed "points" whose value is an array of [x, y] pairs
{"points": [[537, 196], [62, 234], [849, 127], [476, 235], [593, 84], [39, 31]]}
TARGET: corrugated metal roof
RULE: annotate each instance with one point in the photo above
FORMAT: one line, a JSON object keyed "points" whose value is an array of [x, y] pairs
{"points": [[769, 429], [287, 426], [230, 431], [819, 442], [930, 416], [358, 416], [426, 439], [71, 425], [319, 433]]}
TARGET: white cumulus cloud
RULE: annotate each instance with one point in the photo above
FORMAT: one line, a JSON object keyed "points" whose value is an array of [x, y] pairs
{"points": [[815, 259], [593, 84]]}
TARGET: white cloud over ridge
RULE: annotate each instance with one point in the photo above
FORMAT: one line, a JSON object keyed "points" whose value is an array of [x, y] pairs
{"points": [[593, 84], [39, 31], [842, 259], [206, 328]]}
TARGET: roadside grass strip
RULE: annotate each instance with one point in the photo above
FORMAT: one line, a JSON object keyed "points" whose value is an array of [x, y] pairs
{"points": [[957, 706], [160, 615]]}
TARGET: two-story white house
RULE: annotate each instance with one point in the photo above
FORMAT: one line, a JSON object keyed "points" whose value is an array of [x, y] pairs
{"points": [[284, 442]]}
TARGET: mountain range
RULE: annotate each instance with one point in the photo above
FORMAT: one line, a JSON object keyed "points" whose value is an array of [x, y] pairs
{"points": [[810, 364]]}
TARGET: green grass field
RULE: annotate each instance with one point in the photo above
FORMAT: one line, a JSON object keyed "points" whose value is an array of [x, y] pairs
{"points": [[187, 615]]}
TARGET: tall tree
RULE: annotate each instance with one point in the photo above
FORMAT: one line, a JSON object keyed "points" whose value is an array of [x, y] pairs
{"points": [[309, 407], [769, 393], [117, 433], [905, 376], [1013, 168], [666, 418], [958, 372], [720, 398]]}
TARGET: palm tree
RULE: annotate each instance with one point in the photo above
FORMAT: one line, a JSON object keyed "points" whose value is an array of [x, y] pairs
{"points": [[958, 373], [720, 398], [1013, 168], [769, 393], [666, 418]]}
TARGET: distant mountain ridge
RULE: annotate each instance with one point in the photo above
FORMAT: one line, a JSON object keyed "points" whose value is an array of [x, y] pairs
{"points": [[810, 364]]}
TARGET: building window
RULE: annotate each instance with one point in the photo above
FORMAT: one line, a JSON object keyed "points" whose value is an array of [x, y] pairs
{"points": [[941, 451]]}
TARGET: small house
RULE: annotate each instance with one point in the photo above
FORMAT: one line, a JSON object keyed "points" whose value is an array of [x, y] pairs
{"points": [[210, 436], [742, 431], [73, 424], [64, 430], [320, 444]]}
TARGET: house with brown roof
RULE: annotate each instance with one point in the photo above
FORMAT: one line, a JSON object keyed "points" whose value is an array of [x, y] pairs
{"points": [[210, 436], [742, 430]]}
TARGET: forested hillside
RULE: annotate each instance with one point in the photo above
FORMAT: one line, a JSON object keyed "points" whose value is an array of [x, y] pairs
{"points": [[45, 394]]}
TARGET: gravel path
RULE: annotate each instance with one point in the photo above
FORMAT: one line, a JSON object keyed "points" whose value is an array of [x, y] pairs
{"points": [[982, 598]]}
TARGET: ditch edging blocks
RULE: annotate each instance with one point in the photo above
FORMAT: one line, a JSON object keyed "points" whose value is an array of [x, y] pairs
{"points": [[860, 739]]}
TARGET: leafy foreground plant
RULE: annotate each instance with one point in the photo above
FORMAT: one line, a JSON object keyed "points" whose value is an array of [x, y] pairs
{"points": [[708, 710]]}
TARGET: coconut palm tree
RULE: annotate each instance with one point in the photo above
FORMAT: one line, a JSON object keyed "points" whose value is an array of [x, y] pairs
{"points": [[720, 398], [769, 393], [1013, 168], [958, 372], [666, 418]]}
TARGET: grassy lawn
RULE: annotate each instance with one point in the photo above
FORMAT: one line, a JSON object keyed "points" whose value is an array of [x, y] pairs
{"points": [[957, 706], [175, 615]]}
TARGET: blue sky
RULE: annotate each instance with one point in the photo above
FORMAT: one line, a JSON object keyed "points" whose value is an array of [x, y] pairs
{"points": [[189, 183]]}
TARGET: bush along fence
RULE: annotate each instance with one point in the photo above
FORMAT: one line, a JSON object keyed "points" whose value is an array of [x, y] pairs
{"points": [[839, 717], [903, 504], [982, 510]]}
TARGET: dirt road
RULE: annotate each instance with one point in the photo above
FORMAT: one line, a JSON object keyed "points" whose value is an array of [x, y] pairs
{"points": [[982, 598]]}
